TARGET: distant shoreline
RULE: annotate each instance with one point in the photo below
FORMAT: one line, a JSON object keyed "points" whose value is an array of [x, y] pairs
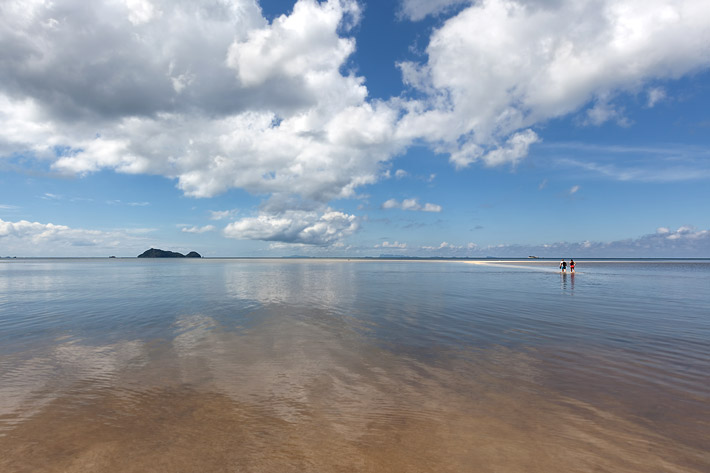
{"points": [[525, 260]]}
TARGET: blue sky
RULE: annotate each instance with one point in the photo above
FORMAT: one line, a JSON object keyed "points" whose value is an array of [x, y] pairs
{"points": [[355, 128]]}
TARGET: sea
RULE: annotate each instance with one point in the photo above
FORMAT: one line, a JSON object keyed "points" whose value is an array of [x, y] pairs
{"points": [[354, 365]]}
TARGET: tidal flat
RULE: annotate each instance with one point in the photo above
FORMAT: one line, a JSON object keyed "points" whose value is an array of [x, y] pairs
{"points": [[334, 365]]}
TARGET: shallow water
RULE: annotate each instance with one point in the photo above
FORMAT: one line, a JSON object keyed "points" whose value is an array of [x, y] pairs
{"points": [[316, 365]]}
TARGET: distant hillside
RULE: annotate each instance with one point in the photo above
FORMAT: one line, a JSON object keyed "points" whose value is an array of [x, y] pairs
{"points": [[158, 253]]}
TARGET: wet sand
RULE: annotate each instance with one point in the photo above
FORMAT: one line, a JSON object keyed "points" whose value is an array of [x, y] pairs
{"points": [[291, 397], [176, 430]]}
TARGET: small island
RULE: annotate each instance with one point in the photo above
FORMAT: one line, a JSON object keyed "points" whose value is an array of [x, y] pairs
{"points": [[158, 253]]}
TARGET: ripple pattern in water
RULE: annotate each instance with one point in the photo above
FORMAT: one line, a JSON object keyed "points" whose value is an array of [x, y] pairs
{"points": [[288, 365]]}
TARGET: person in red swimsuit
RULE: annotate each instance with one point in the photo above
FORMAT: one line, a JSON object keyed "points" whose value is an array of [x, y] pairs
{"points": [[571, 266]]}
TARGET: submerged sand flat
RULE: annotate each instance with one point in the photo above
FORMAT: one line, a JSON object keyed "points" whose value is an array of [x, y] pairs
{"points": [[289, 396], [182, 430], [499, 366]]}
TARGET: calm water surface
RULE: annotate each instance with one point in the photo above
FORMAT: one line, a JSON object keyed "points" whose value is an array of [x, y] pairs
{"points": [[319, 366]]}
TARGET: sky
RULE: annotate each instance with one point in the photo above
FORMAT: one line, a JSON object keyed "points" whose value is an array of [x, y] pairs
{"points": [[355, 128]]}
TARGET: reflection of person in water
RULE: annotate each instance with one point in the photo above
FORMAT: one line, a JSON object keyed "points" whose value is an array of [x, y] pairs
{"points": [[563, 265], [571, 266]]}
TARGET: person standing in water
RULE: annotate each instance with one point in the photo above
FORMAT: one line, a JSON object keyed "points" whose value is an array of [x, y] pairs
{"points": [[571, 266], [563, 265]]}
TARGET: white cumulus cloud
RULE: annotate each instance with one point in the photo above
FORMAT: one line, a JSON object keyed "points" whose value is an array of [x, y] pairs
{"points": [[25, 238], [295, 226], [500, 67], [656, 95], [686, 241], [206, 92], [394, 244], [411, 204], [195, 229], [222, 214]]}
